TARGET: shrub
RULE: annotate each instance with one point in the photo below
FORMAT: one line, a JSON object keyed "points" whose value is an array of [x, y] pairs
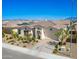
{"points": [[55, 51], [19, 38], [60, 43], [10, 37], [12, 43], [36, 40], [25, 41], [24, 46], [17, 44], [3, 34], [7, 38]]}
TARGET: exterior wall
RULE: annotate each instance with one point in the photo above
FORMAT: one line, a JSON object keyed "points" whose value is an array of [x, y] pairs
{"points": [[45, 32], [15, 30], [22, 32], [50, 33], [42, 34], [31, 33], [35, 32]]}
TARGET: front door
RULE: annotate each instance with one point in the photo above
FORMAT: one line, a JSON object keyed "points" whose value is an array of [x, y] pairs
{"points": [[26, 32], [38, 34]]}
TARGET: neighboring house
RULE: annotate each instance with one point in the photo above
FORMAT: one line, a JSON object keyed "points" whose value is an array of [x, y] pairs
{"points": [[73, 33]]}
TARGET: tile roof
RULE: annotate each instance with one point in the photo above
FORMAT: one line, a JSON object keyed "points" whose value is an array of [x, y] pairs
{"points": [[56, 24]]}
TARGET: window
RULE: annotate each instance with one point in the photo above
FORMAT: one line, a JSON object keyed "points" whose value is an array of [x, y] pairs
{"points": [[39, 28], [19, 31], [51, 29], [73, 32]]}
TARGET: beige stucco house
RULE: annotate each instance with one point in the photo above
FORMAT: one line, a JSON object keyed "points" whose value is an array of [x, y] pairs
{"points": [[39, 29]]}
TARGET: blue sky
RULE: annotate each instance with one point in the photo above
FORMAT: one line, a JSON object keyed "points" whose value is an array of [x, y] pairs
{"points": [[38, 9]]}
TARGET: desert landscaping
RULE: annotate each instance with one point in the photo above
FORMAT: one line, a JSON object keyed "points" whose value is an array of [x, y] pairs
{"points": [[49, 37]]}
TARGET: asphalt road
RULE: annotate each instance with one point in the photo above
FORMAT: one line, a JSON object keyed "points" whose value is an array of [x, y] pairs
{"points": [[10, 54]]}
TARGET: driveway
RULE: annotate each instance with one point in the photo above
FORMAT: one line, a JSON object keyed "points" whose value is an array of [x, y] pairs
{"points": [[43, 46]]}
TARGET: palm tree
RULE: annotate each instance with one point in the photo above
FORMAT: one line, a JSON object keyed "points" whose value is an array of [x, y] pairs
{"points": [[63, 35]]}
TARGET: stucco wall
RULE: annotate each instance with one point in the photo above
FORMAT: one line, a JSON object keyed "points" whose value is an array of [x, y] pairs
{"points": [[50, 33], [15, 30]]}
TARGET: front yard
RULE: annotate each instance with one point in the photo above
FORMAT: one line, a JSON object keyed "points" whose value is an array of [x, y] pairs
{"points": [[45, 45]]}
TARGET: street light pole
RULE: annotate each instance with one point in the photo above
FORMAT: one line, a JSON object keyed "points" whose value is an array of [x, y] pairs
{"points": [[71, 29]]}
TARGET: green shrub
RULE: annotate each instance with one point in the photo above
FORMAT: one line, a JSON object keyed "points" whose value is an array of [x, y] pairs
{"points": [[20, 38], [7, 38], [10, 37], [55, 51], [17, 44], [25, 41], [24, 46], [12, 43], [3, 34], [36, 40]]}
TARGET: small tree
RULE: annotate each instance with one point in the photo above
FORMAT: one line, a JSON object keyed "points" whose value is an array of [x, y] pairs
{"points": [[14, 34]]}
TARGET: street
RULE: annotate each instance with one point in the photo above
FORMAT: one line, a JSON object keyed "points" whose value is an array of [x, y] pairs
{"points": [[10, 54]]}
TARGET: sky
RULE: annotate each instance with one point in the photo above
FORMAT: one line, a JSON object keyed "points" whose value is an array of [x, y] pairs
{"points": [[38, 9]]}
